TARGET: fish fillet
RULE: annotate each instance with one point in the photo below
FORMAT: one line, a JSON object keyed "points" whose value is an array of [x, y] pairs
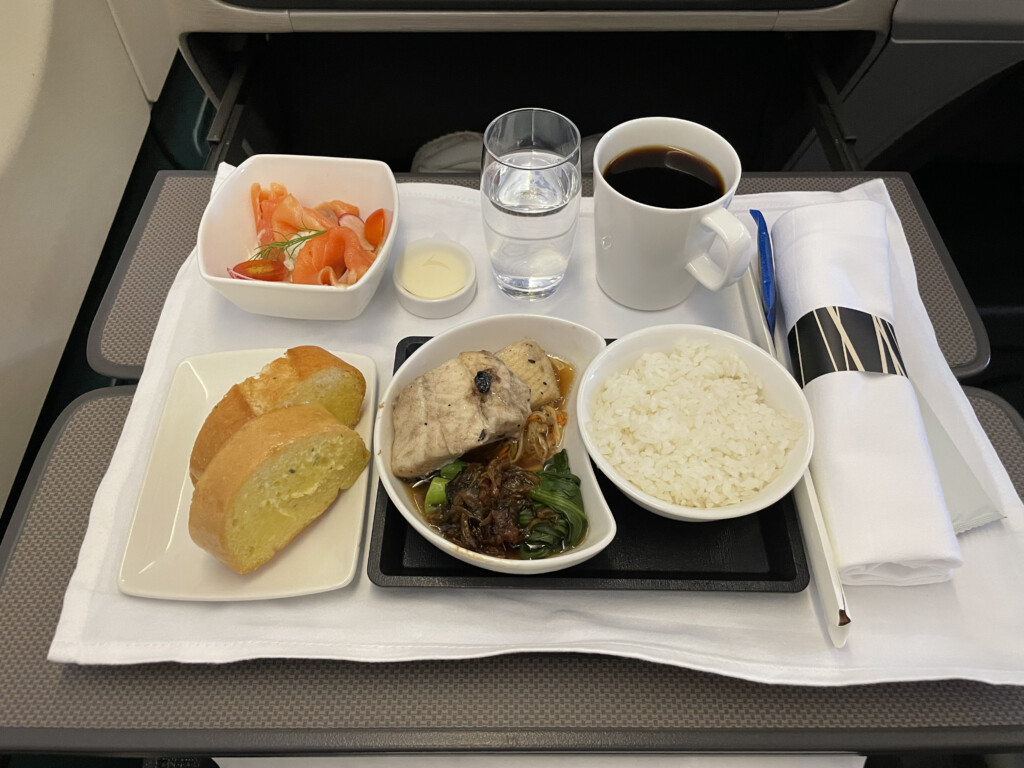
{"points": [[527, 360], [469, 401]]}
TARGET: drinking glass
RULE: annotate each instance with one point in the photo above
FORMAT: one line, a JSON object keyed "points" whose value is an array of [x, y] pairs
{"points": [[530, 193]]}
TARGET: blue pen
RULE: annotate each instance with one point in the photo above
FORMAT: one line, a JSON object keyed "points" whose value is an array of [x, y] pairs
{"points": [[816, 539], [767, 257]]}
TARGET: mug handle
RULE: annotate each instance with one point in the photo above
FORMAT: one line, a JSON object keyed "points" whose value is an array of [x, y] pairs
{"points": [[739, 248]]}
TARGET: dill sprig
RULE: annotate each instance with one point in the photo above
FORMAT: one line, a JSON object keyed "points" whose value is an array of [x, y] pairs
{"points": [[267, 250]]}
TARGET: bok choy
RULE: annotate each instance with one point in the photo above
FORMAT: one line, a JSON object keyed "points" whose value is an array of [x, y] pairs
{"points": [[555, 521]]}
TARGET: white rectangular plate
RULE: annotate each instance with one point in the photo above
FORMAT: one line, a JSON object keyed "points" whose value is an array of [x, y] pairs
{"points": [[162, 561]]}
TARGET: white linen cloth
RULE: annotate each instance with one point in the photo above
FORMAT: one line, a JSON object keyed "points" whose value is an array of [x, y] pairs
{"points": [[961, 628], [872, 465]]}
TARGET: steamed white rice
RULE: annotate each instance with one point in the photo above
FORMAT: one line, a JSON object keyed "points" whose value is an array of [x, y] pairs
{"points": [[691, 427]]}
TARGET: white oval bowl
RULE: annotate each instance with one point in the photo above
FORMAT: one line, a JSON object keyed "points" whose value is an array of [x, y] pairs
{"points": [[227, 232], [779, 388], [565, 340]]}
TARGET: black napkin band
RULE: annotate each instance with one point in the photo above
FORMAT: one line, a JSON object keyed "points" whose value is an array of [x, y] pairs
{"points": [[833, 339]]}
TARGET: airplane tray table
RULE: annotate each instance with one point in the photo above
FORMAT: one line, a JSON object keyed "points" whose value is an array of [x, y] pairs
{"points": [[589, 702], [166, 229]]}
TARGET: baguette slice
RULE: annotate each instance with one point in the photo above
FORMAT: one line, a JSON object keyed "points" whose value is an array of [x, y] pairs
{"points": [[272, 478], [303, 375]]}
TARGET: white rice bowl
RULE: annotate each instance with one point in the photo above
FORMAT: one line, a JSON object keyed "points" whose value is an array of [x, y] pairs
{"points": [[694, 423]]}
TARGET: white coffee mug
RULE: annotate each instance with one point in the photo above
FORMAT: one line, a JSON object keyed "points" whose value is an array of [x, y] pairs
{"points": [[650, 257]]}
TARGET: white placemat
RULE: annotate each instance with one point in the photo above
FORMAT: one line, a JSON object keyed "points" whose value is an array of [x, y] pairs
{"points": [[963, 628]]}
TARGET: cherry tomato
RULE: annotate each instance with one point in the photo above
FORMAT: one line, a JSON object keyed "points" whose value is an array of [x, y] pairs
{"points": [[259, 269], [376, 227]]}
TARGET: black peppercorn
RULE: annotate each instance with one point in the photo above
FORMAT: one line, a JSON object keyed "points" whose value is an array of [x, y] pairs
{"points": [[483, 382]]}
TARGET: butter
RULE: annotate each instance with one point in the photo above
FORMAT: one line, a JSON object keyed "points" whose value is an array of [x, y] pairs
{"points": [[433, 272]]}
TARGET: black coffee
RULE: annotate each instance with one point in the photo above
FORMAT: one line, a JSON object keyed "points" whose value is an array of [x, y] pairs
{"points": [[665, 177]]}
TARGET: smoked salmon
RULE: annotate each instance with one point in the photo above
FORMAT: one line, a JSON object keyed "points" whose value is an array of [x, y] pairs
{"points": [[322, 259], [328, 241]]}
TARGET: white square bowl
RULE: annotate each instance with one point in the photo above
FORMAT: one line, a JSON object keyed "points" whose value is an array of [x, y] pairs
{"points": [[227, 232]]}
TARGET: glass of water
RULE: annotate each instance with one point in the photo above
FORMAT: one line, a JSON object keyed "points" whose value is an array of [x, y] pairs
{"points": [[530, 193]]}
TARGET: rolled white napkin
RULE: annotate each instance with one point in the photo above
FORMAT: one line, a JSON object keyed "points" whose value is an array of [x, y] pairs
{"points": [[872, 466]]}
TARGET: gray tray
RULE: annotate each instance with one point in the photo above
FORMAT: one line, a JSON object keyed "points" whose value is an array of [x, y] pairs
{"points": [[524, 702]]}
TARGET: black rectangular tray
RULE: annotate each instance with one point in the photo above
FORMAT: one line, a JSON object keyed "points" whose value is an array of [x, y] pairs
{"points": [[762, 552]]}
